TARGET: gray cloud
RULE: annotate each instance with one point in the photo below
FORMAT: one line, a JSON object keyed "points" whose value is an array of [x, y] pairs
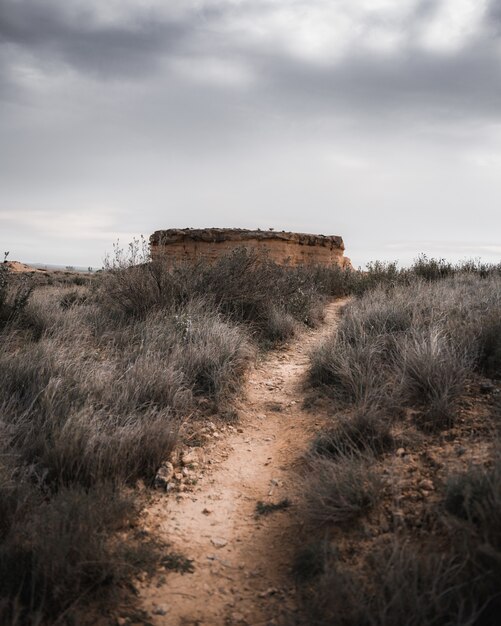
{"points": [[77, 39], [351, 117]]}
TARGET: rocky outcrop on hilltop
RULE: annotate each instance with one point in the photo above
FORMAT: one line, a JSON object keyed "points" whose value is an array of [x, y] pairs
{"points": [[191, 244]]}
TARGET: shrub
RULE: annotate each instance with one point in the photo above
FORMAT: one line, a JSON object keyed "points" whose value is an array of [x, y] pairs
{"points": [[72, 298], [57, 552], [378, 274], [14, 296], [213, 356], [432, 269], [475, 496], [149, 381], [433, 373], [489, 357], [244, 286], [364, 432], [339, 492], [398, 585], [311, 559], [351, 369]]}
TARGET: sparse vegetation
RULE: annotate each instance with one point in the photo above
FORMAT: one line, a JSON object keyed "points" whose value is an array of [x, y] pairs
{"points": [[414, 345], [364, 432], [407, 355], [265, 508], [178, 563], [99, 374], [340, 491]]}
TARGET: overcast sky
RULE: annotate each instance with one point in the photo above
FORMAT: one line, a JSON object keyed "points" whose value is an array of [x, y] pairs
{"points": [[378, 120]]}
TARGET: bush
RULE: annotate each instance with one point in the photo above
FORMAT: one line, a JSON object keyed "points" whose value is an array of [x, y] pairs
{"points": [[350, 369], [397, 585], [489, 357], [433, 373], [433, 269], [339, 492], [310, 561], [475, 496], [213, 356], [55, 553], [244, 286], [14, 296], [364, 432]]}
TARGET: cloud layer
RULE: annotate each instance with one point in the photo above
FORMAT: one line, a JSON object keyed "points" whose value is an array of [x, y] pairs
{"points": [[375, 119]]}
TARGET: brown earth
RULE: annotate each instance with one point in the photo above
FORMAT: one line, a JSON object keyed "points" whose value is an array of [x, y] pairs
{"points": [[241, 560], [16, 266]]}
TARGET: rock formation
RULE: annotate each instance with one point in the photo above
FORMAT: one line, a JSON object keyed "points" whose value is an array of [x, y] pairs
{"points": [[178, 246]]}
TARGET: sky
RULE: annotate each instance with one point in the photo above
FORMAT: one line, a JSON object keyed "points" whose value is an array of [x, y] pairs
{"points": [[376, 120]]}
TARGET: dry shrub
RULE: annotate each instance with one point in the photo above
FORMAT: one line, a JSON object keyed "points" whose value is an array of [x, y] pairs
{"points": [[397, 585], [244, 286], [433, 372], [55, 553], [489, 357], [350, 369], [475, 496], [364, 432], [413, 345], [14, 295], [340, 491]]}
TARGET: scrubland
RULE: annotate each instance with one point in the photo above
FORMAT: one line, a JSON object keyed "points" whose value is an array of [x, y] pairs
{"points": [[97, 380], [401, 495]]}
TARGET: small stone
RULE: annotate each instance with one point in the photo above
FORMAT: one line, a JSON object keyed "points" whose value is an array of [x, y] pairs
{"points": [[217, 542], [206, 511], [427, 485], [191, 456], [401, 452], [271, 591], [185, 471], [164, 474], [178, 476], [159, 610]]}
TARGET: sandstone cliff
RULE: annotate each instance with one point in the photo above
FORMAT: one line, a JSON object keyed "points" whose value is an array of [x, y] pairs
{"points": [[189, 244]]}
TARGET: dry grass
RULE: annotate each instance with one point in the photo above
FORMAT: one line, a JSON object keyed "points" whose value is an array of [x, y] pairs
{"points": [[414, 345], [426, 548], [340, 491]]}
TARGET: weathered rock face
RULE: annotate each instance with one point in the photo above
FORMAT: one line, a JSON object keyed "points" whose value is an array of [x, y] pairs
{"points": [[178, 246]]}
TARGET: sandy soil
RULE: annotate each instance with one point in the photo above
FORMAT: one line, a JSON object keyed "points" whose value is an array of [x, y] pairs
{"points": [[22, 268], [242, 561]]}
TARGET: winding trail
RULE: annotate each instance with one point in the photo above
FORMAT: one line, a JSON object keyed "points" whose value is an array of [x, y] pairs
{"points": [[242, 561]]}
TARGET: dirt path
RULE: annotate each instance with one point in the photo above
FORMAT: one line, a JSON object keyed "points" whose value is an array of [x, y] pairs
{"points": [[242, 562]]}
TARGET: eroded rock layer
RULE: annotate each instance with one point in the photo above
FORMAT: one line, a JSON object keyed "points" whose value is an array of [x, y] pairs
{"points": [[178, 246]]}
